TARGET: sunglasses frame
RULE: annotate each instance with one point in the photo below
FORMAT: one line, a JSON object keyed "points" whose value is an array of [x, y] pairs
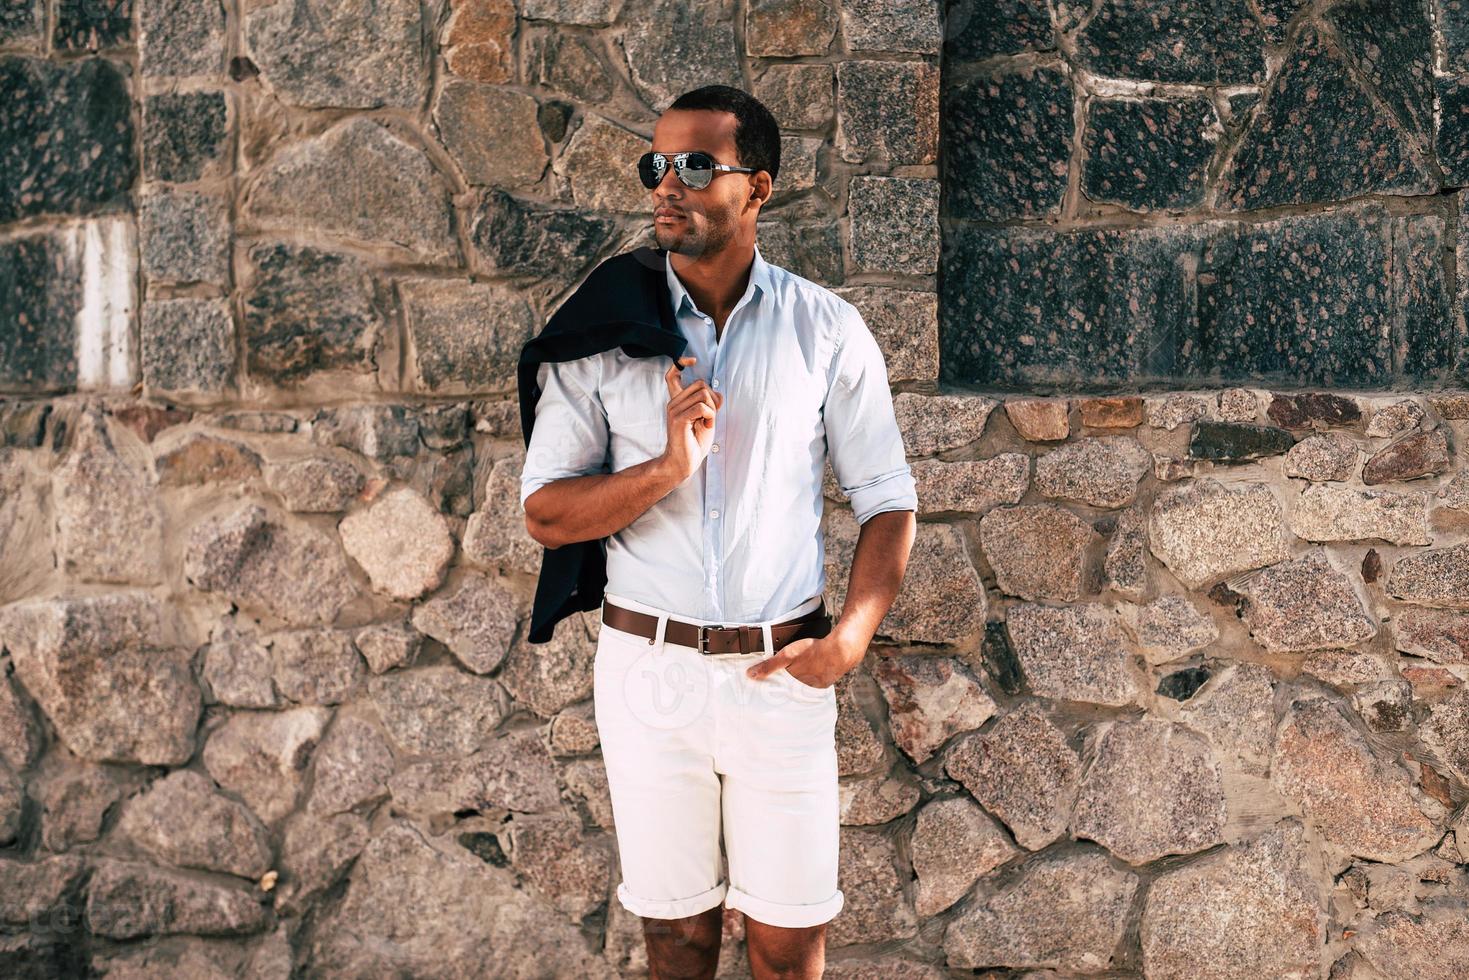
{"points": [[659, 162]]}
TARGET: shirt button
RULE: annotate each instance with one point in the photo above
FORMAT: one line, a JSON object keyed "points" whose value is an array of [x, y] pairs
{"points": [[714, 513], [714, 448], [715, 382]]}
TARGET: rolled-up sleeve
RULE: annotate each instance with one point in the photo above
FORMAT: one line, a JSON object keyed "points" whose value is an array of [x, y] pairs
{"points": [[570, 436], [862, 437]]}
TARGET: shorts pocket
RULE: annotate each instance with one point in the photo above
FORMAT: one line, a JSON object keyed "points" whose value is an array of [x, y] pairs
{"points": [[807, 691]]}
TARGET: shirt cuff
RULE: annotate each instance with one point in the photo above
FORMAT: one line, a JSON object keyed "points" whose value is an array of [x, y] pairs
{"points": [[894, 491]]}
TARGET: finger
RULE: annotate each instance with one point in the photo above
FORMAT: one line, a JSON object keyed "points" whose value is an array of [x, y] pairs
{"points": [[699, 391], [783, 656], [671, 376]]}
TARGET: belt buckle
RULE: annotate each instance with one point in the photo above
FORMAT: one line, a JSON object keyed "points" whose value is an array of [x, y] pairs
{"points": [[702, 643]]}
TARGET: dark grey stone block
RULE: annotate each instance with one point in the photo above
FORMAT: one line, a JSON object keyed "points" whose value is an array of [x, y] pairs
{"points": [[66, 137], [40, 295], [92, 24], [1391, 43], [975, 29], [183, 134], [1148, 154], [1007, 143], [520, 238], [1351, 297], [1196, 41], [308, 310], [1320, 136]]}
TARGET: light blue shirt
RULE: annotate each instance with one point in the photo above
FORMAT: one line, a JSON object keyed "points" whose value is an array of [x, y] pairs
{"points": [[740, 540]]}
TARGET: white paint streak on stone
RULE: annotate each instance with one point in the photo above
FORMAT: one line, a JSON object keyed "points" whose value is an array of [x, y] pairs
{"points": [[103, 325]]}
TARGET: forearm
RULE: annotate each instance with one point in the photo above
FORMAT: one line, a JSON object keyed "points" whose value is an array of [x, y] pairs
{"points": [[878, 566], [585, 508]]}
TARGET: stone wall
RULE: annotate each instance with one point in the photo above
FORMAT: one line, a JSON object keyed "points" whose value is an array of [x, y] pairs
{"points": [[1175, 687]]}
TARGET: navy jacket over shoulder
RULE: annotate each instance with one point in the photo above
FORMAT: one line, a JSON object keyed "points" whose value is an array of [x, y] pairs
{"points": [[625, 303]]}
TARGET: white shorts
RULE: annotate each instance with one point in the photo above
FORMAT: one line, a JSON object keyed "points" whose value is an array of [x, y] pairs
{"points": [[695, 750]]}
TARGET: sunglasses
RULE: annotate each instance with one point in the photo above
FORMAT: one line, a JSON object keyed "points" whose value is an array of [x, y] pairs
{"points": [[694, 167]]}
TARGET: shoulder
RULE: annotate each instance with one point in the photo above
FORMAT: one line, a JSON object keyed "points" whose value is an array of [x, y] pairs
{"points": [[816, 305]]}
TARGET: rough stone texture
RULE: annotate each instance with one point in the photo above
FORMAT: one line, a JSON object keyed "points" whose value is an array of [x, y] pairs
{"points": [[888, 110], [1318, 458], [1436, 634], [1169, 628], [356, 54], [108, 674], [1305, 604], [1074, 653], [180, 37], [1431, 947], [941, 598], [971, 485], [1065, 912], [1235, 710], [1153, 789], [438, 909], [450, 358], [491, 133], [1328, 513], [673, 47], [1436, 577], [1023, 771], [294, 573], [954, 844], [1205, 530], [1036, 307], [875, 908], [1419, 454], [308, 310], [476, 621], [262, 756], [929, 699], [109, 525], [438, 710], [934, 423], [1446, 733], [547, 677], [1361, 803], [496, 534], [184, 821], [186, 135], [895, 225], [315, 484], [1102, 472], [361, 182], [1316, 87], [1038, 551], [126, 899], [402, 543], [185, 237], [1256, 906]]}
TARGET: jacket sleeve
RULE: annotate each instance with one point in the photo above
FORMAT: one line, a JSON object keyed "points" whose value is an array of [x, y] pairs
{"points": [[864, 444], [570, 436]]}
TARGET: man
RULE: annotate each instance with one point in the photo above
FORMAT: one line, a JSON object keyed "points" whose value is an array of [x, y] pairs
{"points": [[706, 480]]}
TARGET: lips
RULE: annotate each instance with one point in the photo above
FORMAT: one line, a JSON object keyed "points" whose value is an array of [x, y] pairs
{"points": [[660, 213]]}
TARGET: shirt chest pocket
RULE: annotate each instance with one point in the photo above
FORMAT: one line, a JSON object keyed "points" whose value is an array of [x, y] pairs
{"points": [[635, 398]]}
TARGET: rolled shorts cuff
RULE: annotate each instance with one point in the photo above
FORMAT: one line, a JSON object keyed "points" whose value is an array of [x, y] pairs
{"points": [[677, 908], [785, 916]]}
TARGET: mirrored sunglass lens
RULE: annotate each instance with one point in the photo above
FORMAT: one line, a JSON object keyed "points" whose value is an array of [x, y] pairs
{"points": [[698, 169], [650, 170]]}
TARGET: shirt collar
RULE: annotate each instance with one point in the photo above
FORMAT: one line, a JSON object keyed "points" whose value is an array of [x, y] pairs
{"points": [[760, 280]]}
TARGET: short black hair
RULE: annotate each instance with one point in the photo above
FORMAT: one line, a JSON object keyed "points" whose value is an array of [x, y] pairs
{"points": [[757, 135]]}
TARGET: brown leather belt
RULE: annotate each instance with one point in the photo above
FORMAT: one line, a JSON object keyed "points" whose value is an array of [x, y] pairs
{"points": [[711, 639]]}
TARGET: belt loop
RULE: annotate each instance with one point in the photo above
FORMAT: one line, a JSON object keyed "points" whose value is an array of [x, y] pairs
{"points": [[769, 641], [658, 633]]}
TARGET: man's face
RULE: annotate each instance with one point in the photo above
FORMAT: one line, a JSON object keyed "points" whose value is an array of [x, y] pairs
{"points": [[705, 220]]}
